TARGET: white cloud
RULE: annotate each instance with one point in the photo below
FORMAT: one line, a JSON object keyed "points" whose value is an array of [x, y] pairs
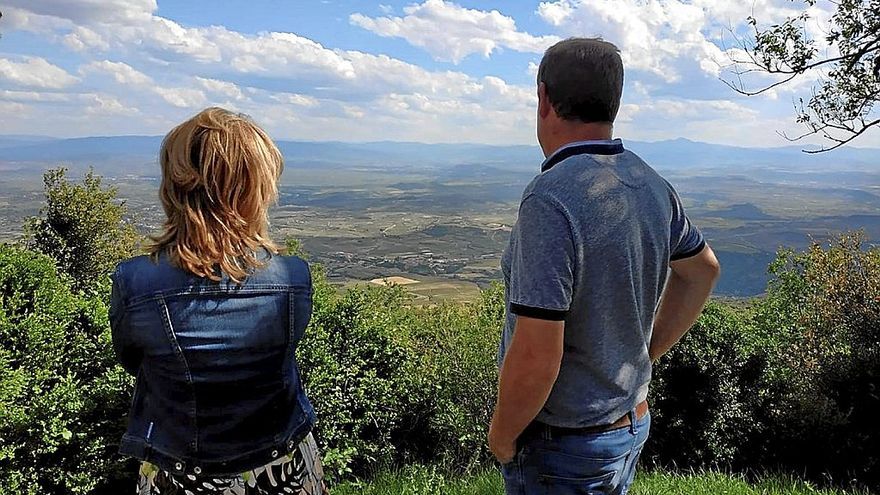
{"points": [[295, 99], [88, 11], [652, 34], [22, 19], [10, 108], [32, 96], [667, 38], [121, 72], [183, 97], [691, 110], [35, 72], [532, 69], [451, 32], [83, 38], [108, 105], [224, 88]]}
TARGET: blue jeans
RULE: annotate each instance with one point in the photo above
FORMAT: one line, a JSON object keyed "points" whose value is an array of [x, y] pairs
{"points": [[549, 463]]}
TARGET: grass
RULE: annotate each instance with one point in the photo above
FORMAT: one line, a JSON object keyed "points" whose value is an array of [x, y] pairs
{"points": [[429, 481]]}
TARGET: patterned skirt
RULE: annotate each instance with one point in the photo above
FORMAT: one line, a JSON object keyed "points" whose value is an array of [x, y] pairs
{"points": [[298, 473]]}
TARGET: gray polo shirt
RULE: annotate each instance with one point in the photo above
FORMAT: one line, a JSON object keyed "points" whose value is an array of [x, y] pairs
{"points": [[591, 247]]}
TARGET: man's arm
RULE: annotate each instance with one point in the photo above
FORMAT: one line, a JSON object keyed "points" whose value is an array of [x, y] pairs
{"points": [[528, 373], [689, 286]]}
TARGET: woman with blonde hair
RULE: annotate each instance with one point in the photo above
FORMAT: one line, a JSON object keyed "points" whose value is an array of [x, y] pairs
{"points": [[209, 323]]}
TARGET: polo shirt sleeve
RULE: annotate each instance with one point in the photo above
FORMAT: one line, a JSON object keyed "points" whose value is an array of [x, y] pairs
{"points": [[685, 238], [542, 263]]}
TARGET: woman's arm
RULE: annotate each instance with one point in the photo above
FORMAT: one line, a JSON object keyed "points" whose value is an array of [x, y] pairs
{"points": [[127, 354]]}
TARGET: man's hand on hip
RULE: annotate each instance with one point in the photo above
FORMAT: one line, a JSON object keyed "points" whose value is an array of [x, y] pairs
{"points": [[504, 450]]}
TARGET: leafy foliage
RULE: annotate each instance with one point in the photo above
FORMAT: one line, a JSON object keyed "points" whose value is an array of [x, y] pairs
{"points": [[707, 397], [82, 227], [847, 67], [791, 382], [824, 307], [62, 399], [360, 378], [393, 383], [456, 346]]}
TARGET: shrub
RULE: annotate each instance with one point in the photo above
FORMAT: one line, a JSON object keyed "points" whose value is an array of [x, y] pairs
{"points": [[395, 384], [62, 399], [82, 227], [707, 394], [823, 306], [456, 346], [361, 377]]}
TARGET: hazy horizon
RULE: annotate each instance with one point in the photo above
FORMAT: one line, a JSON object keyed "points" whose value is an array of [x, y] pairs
{"points": [[788, 146]]}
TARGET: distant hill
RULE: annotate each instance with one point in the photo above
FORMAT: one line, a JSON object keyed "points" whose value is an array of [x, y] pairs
{"points": [[11, 141], [137, 155]]}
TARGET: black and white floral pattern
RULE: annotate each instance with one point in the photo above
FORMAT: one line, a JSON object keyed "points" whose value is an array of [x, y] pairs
{"points": [[298, 473]]}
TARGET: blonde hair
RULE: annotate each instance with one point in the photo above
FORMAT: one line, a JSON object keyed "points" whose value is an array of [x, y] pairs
{"points": [[219, 176]]}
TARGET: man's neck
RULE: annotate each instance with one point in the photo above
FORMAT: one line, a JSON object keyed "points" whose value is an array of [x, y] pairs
{"points": [[578, 132]]}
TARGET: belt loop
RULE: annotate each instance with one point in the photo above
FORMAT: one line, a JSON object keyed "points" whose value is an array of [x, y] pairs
{"points": [[547, 432], [633, 420]]}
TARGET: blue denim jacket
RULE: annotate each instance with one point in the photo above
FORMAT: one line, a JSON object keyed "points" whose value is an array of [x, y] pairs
{"points": [[218, 388]]}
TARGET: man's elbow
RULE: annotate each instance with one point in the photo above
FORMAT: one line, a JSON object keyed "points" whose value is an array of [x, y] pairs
{"points": [[713, 268]]}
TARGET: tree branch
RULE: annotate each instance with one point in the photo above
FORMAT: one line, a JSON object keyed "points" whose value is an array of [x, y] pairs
{"points": [[842, 142]]}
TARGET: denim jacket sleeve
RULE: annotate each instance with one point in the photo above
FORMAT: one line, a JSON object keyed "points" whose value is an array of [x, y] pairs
{"points": [[302, 311], [128, 355]]}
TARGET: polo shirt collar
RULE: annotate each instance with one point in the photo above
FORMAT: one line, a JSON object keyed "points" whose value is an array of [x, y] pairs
{"points": [[592, 147]]}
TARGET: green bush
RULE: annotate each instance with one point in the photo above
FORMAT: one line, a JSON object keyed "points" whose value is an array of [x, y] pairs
{"points": [[707, 394], [456, 346], [62, 399], [823, 309], [361, 377], [83, 227], [792, 382], [393, 383]]}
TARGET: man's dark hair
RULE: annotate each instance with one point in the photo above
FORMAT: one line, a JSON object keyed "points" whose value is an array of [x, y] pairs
{"points": [[583, 78]]}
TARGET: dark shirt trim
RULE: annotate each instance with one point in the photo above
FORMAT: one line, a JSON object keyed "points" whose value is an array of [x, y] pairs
{"points": [[583, 149], [690, 253], [538, 313]]}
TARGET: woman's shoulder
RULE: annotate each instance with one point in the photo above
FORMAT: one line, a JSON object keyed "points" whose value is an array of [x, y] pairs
{"points": [[134, 265], [292, 269], [136, 262]]}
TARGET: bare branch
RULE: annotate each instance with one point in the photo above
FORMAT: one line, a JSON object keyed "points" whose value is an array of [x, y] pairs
{"points": [[764, 90], [841, 142]]}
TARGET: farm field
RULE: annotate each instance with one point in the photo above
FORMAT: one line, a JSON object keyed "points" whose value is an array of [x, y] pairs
{"points": [[447, 218]]}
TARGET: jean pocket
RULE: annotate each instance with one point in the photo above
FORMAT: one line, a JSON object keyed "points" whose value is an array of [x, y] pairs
{"points": [[568, 474], [602, 484]]}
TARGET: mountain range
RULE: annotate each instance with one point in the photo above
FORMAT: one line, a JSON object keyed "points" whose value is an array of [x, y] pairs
{"points": [[137, 155]]}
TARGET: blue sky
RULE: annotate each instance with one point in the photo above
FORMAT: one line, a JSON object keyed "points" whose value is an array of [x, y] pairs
{"points": [[429, 70]]}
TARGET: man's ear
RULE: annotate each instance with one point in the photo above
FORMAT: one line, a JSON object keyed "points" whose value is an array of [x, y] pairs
{"points": [[544, 105]]}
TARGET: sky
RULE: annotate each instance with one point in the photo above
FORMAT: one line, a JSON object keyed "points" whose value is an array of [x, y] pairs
{"points": [[427, 71]]}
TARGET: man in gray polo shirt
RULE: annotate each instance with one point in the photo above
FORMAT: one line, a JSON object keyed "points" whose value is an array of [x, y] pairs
{"points": [[604, 274]]}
